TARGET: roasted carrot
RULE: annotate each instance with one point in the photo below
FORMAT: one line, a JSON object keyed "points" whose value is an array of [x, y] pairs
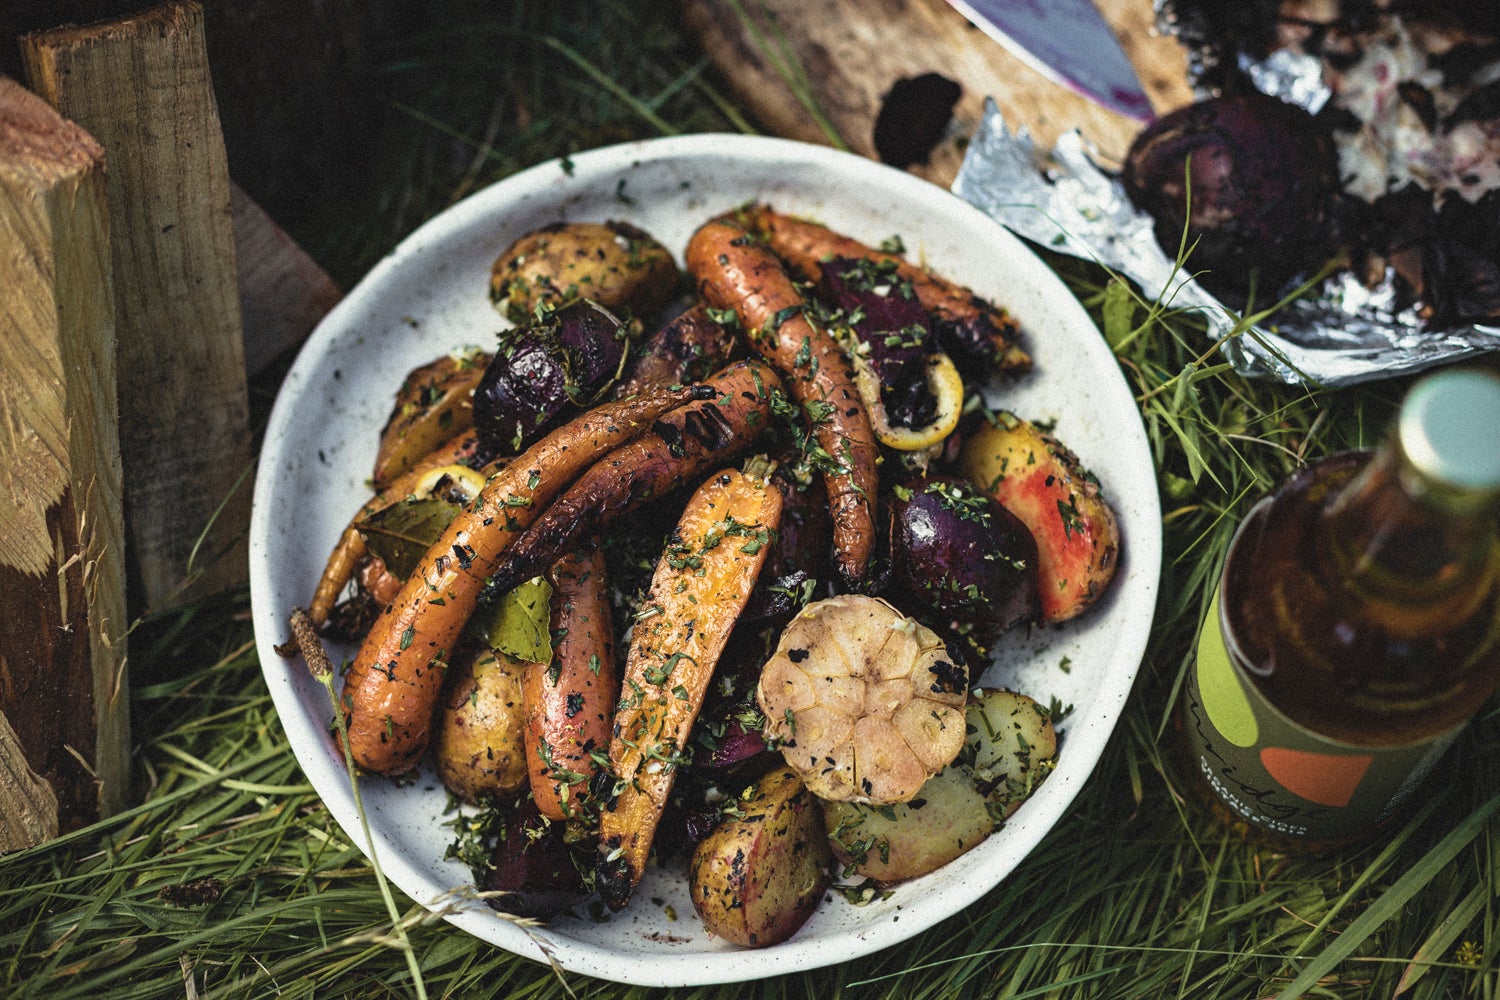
{"points": [[392, 685], [734, 271], [966, 325], [569, 703], [343, 562], [701, 584], [687, 349], [681, 446]]}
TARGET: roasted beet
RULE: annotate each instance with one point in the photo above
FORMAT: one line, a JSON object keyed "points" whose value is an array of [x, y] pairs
{"points": [[1263, 176], [799, 554], [559, 360], [894, 329], [536, 867], [962, 555]]}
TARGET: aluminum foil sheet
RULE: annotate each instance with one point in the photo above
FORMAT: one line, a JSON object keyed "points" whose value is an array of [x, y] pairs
{"points": [[1340, 334]]}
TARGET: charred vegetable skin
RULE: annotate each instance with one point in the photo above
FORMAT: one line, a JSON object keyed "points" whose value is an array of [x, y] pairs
{"points": [[689, 348], [982, 338], [393, 682], [1249, 179], [763, 870], [960, 553], [701, 584], [556, 362], [676, 449], [735, 272], [615, 264]]}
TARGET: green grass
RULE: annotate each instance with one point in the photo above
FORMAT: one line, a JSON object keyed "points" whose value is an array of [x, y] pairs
{"points": [[1137, 893]]}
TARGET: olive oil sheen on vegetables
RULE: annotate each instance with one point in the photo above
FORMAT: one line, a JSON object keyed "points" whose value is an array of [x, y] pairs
{"points": [[1356, 628]]}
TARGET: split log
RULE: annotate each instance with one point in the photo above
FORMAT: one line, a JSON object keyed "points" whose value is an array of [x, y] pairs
{"points": [[64, 707], [140, 85]]}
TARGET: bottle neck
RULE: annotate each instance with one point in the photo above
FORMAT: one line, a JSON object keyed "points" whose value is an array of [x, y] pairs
{"points": [[1425, 553]]}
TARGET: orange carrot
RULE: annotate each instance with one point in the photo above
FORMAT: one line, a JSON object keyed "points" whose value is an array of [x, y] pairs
{"points": [[734, 271], [344, 561], [393, 683], [966, 325], [701, 584], [569, 703], [678, 448]]}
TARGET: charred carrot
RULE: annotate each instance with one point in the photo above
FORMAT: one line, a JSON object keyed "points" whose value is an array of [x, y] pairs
{"points": [[681, 446], [688, 349], [734, 271], [392, 685], [966, 325], [569, 703], [701, 584], [343, 562]]}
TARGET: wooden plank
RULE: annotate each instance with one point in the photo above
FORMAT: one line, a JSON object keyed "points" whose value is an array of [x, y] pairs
{"points": [[283, 291], [64, 708], [853, 51], [141, 86]]}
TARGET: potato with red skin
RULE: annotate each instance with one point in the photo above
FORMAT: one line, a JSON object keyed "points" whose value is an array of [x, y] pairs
{"points": [[1036, 478], [762, 872]]}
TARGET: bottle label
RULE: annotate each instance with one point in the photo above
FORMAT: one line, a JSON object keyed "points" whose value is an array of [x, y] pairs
{"points": [[1278, 775]]}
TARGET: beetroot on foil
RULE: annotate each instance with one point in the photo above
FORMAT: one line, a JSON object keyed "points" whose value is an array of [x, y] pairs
{"points": [[1263, 179]]}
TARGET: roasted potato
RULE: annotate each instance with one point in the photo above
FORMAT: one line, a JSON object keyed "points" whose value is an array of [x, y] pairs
{"points": [[480, 742], [433, 405], [760, 874], [1011, 747], [614, 264], [1040, 481]]}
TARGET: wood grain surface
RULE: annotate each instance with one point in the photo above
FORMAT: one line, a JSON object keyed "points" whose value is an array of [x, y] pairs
{"points": [[851, 52], [64, 705], [141, 87]]}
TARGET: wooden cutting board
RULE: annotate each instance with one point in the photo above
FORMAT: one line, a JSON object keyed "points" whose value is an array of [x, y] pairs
{"points": [[851, 52]]}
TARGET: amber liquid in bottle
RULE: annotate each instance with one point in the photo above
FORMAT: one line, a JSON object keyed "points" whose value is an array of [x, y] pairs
{"points": [[1357, 629]]}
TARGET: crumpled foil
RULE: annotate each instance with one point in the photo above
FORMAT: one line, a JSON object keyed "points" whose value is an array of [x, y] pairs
{"points": [[1336, 335]]}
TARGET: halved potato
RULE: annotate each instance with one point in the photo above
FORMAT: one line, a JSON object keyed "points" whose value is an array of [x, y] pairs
{"points": [[1040, 481], [620, 267], [433, 405], [762, 872], [1011, 748]]}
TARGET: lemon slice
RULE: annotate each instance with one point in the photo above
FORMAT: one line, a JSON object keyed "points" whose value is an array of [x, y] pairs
{"points": [[947, 386]]}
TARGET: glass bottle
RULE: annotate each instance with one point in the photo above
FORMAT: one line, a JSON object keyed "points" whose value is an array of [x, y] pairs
{"points": [[1356, 627]]}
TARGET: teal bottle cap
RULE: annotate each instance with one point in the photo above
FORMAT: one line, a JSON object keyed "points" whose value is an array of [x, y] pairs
{"points": [[1449, 428]]}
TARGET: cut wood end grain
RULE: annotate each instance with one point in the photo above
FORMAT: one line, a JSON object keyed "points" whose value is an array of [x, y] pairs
{"points": [[34, 137]]}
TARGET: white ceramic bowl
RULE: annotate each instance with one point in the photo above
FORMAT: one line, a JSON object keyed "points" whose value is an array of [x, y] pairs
{"points": [[430, 295]]}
